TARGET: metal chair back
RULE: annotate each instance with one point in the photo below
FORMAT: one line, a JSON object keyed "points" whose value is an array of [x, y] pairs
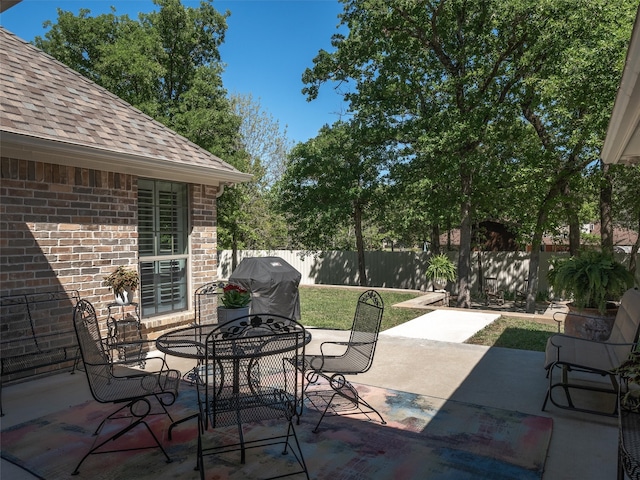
{"points": [[365, 329], [250, 376], [95, 358], [206, 303], [129, 388], [250, 367]]}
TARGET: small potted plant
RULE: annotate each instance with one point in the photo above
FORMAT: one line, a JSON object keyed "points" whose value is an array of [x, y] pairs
{"points": [[123, 281], [440, 271], [594, 281], [235, 303]]}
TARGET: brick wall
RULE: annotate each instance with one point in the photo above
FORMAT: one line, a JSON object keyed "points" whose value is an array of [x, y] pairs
{"points": [[64, 226], [67, 227]]}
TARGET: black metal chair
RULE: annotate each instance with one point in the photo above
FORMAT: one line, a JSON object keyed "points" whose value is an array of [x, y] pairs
{"points": [[343, 398], [206, 303], [574, 354], [520, 298], [251, 376], [492, 293], [114, 382]]}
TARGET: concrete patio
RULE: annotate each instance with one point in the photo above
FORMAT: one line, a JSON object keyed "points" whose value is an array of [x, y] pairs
{"points": [[582, 446]]}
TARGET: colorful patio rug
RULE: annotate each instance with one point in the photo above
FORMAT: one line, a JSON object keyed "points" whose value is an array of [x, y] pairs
{"points": [[425, 437]]}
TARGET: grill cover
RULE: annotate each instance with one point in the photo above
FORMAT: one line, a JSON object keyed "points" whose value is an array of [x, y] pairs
{"points": [[273, 284]]}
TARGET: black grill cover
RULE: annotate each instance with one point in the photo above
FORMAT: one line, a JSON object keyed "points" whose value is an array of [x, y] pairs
{"points": [[273, 284]]}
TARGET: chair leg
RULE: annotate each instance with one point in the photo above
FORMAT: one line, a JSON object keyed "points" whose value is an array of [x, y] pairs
{"points": [[344, 389], [139, 421], [566, 387]]}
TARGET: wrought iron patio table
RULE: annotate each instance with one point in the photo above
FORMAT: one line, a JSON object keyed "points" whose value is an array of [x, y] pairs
{"points": [[190, 342]]}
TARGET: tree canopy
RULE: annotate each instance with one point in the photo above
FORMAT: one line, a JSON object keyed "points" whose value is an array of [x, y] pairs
{"points": [[478, 96]]}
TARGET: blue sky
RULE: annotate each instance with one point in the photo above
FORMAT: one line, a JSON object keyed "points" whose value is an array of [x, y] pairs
{"points": [[268, 45]]}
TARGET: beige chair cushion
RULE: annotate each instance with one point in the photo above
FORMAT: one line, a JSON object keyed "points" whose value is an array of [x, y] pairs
{"points": [[604, 356]]}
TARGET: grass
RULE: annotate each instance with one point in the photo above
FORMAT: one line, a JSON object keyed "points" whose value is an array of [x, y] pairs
{"points": [[513, 332], [333, 308]]}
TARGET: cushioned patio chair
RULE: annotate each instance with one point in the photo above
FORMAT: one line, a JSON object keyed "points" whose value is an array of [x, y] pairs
{"points": [[570, 355], [342, 398], [250, 377], [115, 382]]}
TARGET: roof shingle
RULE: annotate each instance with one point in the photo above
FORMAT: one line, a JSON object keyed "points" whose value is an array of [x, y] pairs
{"points": [[42, 98]]}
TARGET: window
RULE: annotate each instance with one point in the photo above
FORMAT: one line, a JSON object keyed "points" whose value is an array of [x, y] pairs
{"points": [[162, 243]]}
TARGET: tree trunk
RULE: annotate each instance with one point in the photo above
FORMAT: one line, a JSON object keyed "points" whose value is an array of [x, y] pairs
{"points": [[573, 221], [362, 270], [480, 273], [606, 220], [536, 242], [435, 238], [464, 256], [574, 233], [534, 267], [234, 250]]}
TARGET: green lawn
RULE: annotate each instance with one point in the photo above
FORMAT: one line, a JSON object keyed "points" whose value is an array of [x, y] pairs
{"points": [[512, 332], [324, 307], [333, 308]]}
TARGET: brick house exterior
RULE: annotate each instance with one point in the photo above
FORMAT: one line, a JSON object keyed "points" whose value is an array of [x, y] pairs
{"points": [[72, 157]]}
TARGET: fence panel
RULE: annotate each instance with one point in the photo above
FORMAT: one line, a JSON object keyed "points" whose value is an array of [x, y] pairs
{"points": [[401, 269]]}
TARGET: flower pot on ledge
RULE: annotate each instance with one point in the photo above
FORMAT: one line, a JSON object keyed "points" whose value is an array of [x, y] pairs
{"points": [[228, 314]]}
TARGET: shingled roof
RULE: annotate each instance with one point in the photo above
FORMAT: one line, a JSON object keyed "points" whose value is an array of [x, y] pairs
{"points": [[49, 112]]}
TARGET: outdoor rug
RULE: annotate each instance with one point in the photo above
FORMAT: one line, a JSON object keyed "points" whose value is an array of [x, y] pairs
{"points": [[424, 438]]}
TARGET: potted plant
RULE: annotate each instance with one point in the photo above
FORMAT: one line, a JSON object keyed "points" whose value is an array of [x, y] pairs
{"points": [[123, 281], [235, 303], [594, 281], [440, 271]]}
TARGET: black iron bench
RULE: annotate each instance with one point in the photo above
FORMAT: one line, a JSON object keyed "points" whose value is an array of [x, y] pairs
{"points": [[36, 333]]}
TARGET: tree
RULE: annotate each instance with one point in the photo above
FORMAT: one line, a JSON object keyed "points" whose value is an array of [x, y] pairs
{"points": [[166, 63], [152, 62], [466, 85], [331, 182], [262, 138], [439, 78], [248, 218], [568, 100]]}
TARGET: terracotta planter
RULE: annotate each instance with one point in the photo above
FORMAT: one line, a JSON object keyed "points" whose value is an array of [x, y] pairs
{"points": [[229, 314], [589, 323]]}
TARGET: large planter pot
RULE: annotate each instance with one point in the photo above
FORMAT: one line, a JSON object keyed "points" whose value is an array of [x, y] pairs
{"points": [[439, 283], [589, 323], [229, 314]]}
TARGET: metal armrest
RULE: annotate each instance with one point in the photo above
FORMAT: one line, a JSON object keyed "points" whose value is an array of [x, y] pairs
{"points": [[559, 320], [127, 363], [588, 340]]}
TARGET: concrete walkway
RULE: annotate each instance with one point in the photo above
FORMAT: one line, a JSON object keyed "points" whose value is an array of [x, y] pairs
{"points": [[444, 325]]}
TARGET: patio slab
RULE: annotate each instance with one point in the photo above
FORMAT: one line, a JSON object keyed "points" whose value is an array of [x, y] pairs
{"points": [[582, 446]]}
